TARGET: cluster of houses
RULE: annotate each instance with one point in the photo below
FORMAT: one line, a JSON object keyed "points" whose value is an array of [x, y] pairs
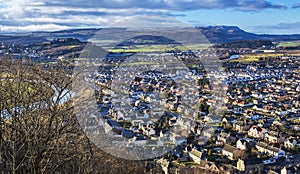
{"points": [[137, 125], [260, 128], [49, 51], [258, 132], [150, 107]]}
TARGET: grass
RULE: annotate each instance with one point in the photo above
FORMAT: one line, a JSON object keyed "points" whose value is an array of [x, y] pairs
{"points": [[149, 47], [247, 59], [255, 57], [94, 40], [49, 63], [288, 44], [137, 63], [80, 59], [159, 48]]}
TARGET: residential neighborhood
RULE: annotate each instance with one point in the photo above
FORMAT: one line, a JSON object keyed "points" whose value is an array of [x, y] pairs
{"points": [[223, 116], [257, 132], [150, 86]]}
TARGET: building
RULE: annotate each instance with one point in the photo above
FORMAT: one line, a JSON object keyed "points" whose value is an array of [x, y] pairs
{"points": [[270, 150], [257, 132], [195, 155], [291, 143], [289, 170], [229, 151], [274, 137], [245, 144], [250, 165]]}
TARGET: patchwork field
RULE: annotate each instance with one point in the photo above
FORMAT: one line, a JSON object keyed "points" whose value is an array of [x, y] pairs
{"points": [[159, 48]]}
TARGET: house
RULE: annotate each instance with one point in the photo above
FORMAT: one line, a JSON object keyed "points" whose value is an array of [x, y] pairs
{"points": [[255, 117], [203, 167], [280, 122], [228, 121], [241, 126], [274, 137], [257, 132], [266, 124], [227, 169], [245, 144], [270, 150], [291, 143], [195, 155], [179, 140], [212, 167], [289, 170], [250, 165], [207, 131], [229, 151], [150, 132], [224, 138]]}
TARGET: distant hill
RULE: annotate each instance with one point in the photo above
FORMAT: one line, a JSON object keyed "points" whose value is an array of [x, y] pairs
{"points": [[215, 34], [245, 44], [223, 34], [37, 37], [21, 39]]}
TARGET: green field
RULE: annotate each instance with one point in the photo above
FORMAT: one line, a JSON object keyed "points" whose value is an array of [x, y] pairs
{"points": [[255, 57], [80, 59], [137, 63], [159, 48], [289, 44]]}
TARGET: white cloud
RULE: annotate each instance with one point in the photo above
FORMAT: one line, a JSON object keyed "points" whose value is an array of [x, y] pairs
{"points": [[45, 27], [16, 14], [91, 20]]}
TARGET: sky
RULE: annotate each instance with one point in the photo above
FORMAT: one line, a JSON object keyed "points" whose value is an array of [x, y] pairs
{"points": [[258, 16]]}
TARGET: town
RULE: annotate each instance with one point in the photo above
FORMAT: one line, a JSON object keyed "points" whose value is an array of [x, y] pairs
{"points": [[255, 130]]}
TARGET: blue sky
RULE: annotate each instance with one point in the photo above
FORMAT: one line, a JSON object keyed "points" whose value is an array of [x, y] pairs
{"points": [[259, 16]]}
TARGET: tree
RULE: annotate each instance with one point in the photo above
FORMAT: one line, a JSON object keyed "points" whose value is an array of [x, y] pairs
{"points": [[42, 135]]}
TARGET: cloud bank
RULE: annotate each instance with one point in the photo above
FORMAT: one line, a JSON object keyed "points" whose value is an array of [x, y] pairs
{"points": [[283, 28], [32, 15]]}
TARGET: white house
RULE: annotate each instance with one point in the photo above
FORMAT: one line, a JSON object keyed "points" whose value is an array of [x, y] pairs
{"points": [[291, 143], [244, 144], [257, 132]]}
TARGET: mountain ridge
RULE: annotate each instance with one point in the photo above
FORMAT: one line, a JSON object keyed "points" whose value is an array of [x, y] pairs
{"points": [[214, 34]]}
